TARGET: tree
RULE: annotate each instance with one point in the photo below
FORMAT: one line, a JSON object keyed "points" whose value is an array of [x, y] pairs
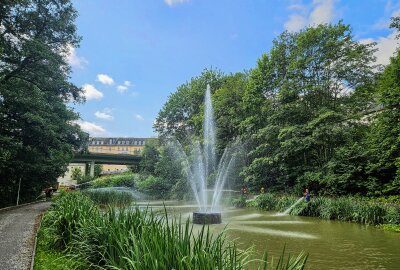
{"points": [[302, 90], [228, 108], [37, 130], [181, 115], [97, 170], [76, 174], [150, 157], [384, 139]]}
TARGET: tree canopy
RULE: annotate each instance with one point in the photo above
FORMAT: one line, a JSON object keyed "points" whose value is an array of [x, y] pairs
{"points": [[37, 130], [315, 112]]}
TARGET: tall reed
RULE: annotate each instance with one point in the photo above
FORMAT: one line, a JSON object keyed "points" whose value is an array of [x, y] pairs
{"points": [[341, 208], [140, 239], [110, 197]]}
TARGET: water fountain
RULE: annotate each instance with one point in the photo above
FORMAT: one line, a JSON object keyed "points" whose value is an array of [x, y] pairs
{"points": [[202, 164]]}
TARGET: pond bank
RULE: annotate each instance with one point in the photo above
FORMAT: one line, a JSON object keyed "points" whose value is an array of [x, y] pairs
{"points": [[386, 215]]}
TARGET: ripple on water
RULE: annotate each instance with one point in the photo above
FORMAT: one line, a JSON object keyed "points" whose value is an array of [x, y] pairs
{"points": [[293, 234], [270, 222], [249, 216]]}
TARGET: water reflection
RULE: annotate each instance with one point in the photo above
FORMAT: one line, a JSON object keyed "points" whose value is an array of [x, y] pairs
{"points": [[330, 244]]}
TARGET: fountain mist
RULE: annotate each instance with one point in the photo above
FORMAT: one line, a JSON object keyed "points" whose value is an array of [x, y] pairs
{"points": [[202, 163]]}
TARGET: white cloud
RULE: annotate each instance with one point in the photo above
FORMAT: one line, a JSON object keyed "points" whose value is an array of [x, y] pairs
{"points": [[295, 23], [175, 2], [139, 117], [386, 47], [320, 12], [105, 114], [90, 92], [122, 88], [73, 59], [105, 79], [91, 128], [323, 12]]}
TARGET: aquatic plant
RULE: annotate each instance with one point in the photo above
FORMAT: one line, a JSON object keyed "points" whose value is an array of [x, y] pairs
{"points": [[67, 215], [342, 208], [110, 197], [140, 239]]}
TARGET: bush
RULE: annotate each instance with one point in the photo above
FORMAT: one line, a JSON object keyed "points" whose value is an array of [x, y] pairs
{"points": [[266, 201], [239, 202], [126, 179], [154, 186], [110, 197]]}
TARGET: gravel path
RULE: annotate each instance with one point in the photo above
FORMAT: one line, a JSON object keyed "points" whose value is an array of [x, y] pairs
{"points": [[17, 235]]}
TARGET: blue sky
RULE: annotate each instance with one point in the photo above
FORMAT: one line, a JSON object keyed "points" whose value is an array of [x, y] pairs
{"points": [[135, 53]]}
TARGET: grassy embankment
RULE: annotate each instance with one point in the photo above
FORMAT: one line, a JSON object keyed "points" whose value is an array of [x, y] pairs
{"points": [[150, 185], [83, 237], [383, 212]]}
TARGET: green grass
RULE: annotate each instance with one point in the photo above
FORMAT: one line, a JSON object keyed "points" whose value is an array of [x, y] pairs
{"points": [[110, 197], [390, 227], [50, 259], [140, 239], [352, 209]]}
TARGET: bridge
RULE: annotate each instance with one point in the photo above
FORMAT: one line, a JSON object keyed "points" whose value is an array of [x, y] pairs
{"points": [[100, 158]]}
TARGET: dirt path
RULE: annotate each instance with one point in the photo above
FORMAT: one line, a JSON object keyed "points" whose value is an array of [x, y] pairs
{"points": [[17, 235]]}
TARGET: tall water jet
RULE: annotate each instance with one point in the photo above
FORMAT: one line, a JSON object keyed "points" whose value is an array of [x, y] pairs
{"points": [[202, 164]]}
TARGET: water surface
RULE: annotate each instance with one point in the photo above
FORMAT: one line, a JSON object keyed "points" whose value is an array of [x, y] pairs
{"points": [[330, 244]]}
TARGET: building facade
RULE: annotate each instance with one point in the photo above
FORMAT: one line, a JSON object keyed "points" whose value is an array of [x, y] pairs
{"points": [[107, 145], [130, 146]]}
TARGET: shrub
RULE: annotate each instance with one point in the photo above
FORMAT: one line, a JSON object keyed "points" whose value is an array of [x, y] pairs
{"points": [[266, 201], [110, 197], [154, 186], [239, 202], [126, 179]]}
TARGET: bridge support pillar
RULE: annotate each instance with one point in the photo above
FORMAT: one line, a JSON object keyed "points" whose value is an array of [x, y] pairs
{"points": [[92, 168]]}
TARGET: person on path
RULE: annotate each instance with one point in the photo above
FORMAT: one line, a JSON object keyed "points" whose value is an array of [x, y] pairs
{"points": [[307, 195]]}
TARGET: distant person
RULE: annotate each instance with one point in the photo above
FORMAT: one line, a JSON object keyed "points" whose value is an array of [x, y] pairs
{"points": [[48, 192], [307, 195]]}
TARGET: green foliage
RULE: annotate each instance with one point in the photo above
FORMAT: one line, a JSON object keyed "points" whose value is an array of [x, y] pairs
{"points": [[76, 174], [140, 239], [154, 186], [390, 227], [150, 156], [47, 258], [299, 88], [341, 208], [97, 170], [69, 213], [38, 133], [126, 179], [384, 139], [239, 202], [110, 197], [183, 111]]}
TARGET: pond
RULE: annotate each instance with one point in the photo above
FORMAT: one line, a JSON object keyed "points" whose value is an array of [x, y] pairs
{"points": [[330, 244]]}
